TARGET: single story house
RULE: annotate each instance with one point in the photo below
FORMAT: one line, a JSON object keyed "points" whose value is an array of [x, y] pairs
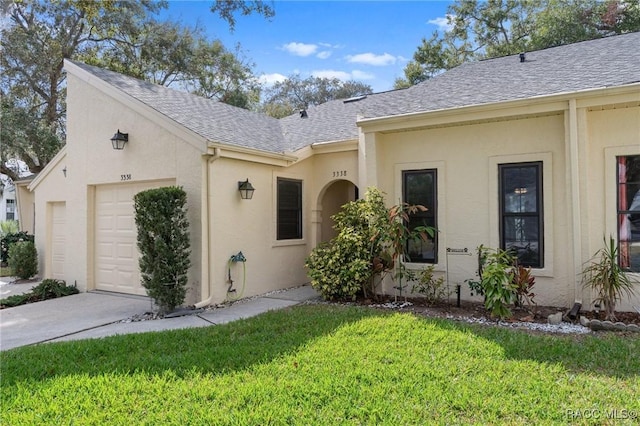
{"points": [[539, 152]]}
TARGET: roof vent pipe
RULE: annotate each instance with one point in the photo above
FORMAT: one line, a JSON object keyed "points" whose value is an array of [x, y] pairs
{"points": [[522, 57], [303, 113]]}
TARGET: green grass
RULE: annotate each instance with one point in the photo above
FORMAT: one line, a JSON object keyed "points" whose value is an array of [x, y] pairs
{"points": [[325, 365], [5, 271]]}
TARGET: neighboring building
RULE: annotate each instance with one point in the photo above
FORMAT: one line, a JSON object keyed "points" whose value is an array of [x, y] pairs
{"points": [[540, 155], [8, 205]]}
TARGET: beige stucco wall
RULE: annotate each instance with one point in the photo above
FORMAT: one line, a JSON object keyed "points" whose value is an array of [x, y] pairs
{"points": [[466, 158], [612, 132], [250, 225], [576, 139], [152, 154]]}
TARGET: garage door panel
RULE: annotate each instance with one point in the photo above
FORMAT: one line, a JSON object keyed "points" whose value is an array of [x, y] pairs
{"points": [[116, 252], [126, 251]]}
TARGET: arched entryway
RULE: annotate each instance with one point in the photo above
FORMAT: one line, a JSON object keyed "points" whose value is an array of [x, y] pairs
{"points": [[331, 199]]}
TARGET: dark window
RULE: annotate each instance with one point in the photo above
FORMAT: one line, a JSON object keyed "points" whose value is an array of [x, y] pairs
{"points": [[419, 187], [11, 210], [521, 212], [629, 212], [289, 209]]}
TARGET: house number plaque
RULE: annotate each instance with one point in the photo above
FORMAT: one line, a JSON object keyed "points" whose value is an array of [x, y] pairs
{"points": [[125, 177], [340, 173]]}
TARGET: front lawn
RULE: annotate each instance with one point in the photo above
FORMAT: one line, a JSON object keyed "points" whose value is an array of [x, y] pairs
{"points": [[319, 364]]}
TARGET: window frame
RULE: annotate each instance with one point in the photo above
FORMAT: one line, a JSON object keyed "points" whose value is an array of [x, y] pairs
{"points": [[299, 234], [431, 213], [624, 246], [539, 213]]}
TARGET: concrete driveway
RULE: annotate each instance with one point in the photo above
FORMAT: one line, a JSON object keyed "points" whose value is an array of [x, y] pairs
{"points": [[99, 314]]}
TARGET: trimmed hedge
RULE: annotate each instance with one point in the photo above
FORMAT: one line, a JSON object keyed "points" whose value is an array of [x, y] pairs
{"points": [[163, 242]]}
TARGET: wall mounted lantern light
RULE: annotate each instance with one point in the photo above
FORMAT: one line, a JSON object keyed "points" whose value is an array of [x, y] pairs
{"points": [[246, 189], [119, 140]]}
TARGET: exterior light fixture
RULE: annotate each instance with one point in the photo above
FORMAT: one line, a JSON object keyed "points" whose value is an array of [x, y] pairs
{"points": [[64, 171], [119, 140], [246, 189]]}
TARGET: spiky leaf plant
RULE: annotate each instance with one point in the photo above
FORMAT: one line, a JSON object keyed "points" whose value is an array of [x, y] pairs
{"points": [[604, 275]]}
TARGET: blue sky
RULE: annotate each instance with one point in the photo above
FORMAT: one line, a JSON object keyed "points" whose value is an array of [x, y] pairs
{"points": [[366, 41]]}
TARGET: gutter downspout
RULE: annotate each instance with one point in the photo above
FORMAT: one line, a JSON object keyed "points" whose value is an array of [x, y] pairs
{"points": [[573, 173], [205, 289]]}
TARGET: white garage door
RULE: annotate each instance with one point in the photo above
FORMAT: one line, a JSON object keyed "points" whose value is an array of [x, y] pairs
{"points": [[58, 240], [116, 253]]}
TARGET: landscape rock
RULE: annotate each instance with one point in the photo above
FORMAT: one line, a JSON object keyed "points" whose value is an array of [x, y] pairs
{"points": [[620, 326], [555, 319], [633, 327], [596, 325], [584, 321]]}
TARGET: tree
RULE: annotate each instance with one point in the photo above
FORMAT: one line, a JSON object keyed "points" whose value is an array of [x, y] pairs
{"points": [[493, 28], [294, 93], [120, 35], [227, 9]]}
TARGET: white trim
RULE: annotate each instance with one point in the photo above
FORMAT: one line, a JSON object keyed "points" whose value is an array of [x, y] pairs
{"points": [[274, 223], [547, 204], [441, 205], [253, 155], [47, 169]]}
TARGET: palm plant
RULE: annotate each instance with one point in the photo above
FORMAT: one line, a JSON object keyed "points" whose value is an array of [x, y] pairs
{"points": [[604, 275]]}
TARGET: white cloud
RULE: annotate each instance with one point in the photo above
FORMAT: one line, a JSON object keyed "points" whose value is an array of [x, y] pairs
{"points": [[343, 75], [372, 59], [323, 55], [300, 49], [271, 79], [442, 22], [361, 75]]}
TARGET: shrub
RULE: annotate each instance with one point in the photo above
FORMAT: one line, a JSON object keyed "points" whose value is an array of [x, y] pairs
{"points": [[163, 241], [497, 283], [47, 289], [433, 289], [371, 241], [9, 239], [341, 268], [23, 259], [523, 281]]}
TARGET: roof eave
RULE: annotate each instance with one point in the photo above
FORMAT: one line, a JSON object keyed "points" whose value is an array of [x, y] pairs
{"points": [[253, 155], [543, 104]]}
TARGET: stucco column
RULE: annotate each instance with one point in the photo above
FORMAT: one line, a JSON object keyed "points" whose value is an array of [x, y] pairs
{"points": [[367, 160], [575, 211]]}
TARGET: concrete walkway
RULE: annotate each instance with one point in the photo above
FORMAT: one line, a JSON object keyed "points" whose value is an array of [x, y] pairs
{"points": [[99, 314]]}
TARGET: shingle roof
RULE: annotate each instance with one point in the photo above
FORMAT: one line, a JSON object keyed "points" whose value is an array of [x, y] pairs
{"points": [[606, 62], [215, 121]]}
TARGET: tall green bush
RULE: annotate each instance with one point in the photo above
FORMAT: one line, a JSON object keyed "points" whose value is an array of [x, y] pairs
{"points": [[23, 259], [9, 239], [163, 242]]}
